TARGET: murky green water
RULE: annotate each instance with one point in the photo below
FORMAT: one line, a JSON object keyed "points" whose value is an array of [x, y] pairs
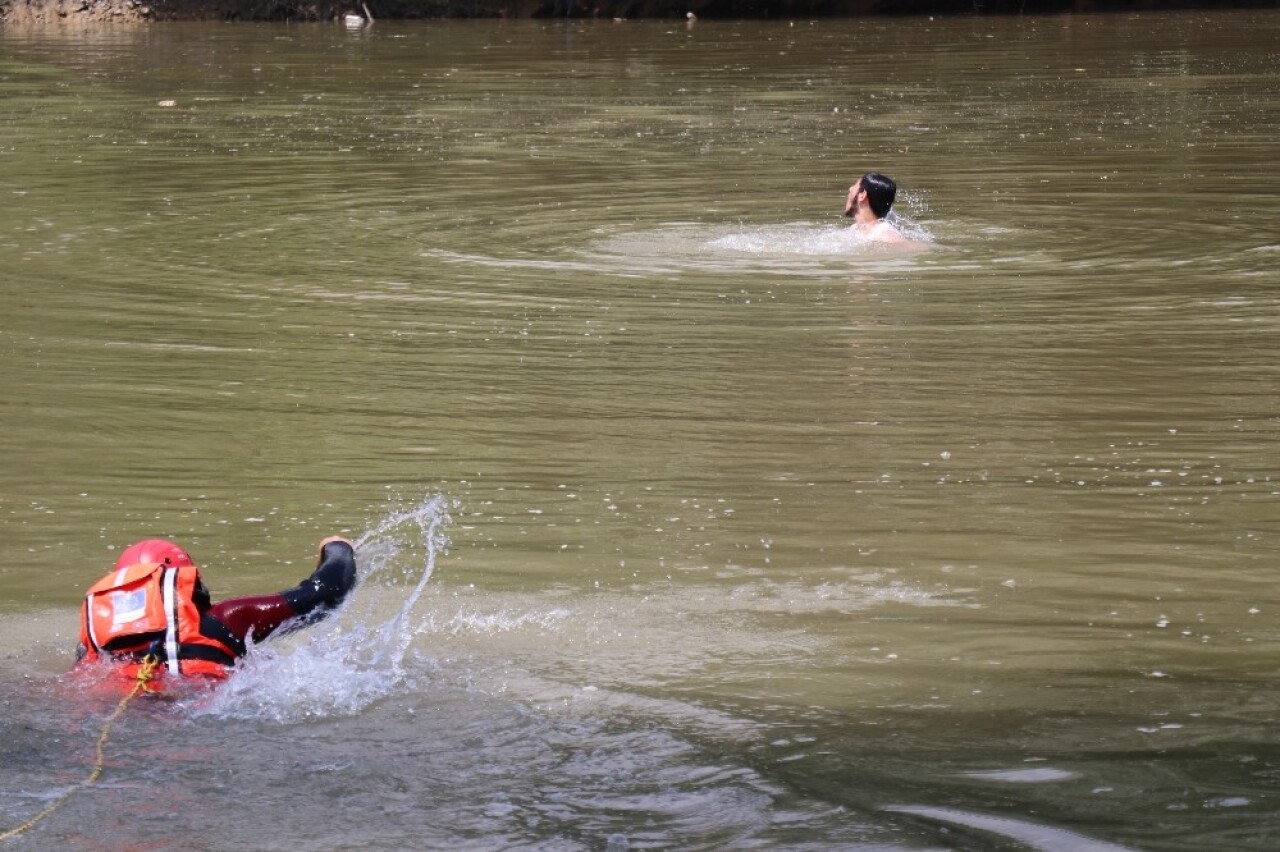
{"points": [[760, 538]]}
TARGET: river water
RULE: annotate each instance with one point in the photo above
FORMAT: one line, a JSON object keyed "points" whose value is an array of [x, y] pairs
{"points": [[685, 519]]}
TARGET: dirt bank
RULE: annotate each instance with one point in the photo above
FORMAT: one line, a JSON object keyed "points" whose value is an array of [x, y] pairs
{"points": [[37, 12]]}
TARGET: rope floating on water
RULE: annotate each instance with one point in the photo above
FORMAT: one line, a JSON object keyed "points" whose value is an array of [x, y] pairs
{"points": [[145, 675]]}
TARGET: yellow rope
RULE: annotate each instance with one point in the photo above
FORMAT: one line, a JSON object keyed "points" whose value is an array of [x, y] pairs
{"points": [[145, 674]]}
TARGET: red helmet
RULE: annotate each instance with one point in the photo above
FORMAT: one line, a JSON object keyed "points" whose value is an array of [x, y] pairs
{"points": [[153, 551]]}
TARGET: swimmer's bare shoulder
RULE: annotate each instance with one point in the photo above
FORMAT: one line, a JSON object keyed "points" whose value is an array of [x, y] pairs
{"points": [[889, 237]]}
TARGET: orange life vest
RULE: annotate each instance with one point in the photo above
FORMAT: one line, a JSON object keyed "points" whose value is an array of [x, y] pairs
{"points": [[148, 609]]}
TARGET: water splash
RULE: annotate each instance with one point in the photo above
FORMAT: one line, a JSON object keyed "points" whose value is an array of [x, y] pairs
{"points": [[798, 248], [789, 241], [356, 656], [809, 241]]}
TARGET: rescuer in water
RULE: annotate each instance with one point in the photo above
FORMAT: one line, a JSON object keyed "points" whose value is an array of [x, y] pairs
{"points": [[153, 614]]}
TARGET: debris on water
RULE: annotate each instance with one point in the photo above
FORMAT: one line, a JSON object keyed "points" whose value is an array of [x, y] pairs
{"points": [[1036, 775], [1229, 802]]}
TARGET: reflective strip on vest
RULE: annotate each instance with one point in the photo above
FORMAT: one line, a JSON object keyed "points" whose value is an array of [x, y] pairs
{"points": [[88, 623], [171, 619]]}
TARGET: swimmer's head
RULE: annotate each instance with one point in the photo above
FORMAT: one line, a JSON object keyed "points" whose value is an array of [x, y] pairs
{"points": [[880, 191], [153, 551], [159, 551]]}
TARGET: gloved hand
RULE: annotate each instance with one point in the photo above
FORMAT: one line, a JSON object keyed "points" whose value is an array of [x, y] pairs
{"points": [[336, 571], [329, 584]]}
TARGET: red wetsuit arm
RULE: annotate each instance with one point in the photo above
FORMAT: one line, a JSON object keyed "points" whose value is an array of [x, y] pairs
{"points": [[328, 585], [255, 616]]}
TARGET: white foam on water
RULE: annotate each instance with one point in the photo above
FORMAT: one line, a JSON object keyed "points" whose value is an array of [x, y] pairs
{"points": [[357, 655], [797, 248], [806, 240], [465, 622]]}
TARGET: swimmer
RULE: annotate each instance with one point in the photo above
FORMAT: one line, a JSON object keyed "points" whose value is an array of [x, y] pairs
{"points": [[154, 610], [868, 204]]}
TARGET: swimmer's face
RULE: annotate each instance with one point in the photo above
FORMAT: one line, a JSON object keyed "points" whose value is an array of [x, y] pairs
{"points": [[851, 203]]}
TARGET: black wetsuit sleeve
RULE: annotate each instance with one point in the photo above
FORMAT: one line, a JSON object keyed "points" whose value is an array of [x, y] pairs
{"points": [[328, 585]]}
